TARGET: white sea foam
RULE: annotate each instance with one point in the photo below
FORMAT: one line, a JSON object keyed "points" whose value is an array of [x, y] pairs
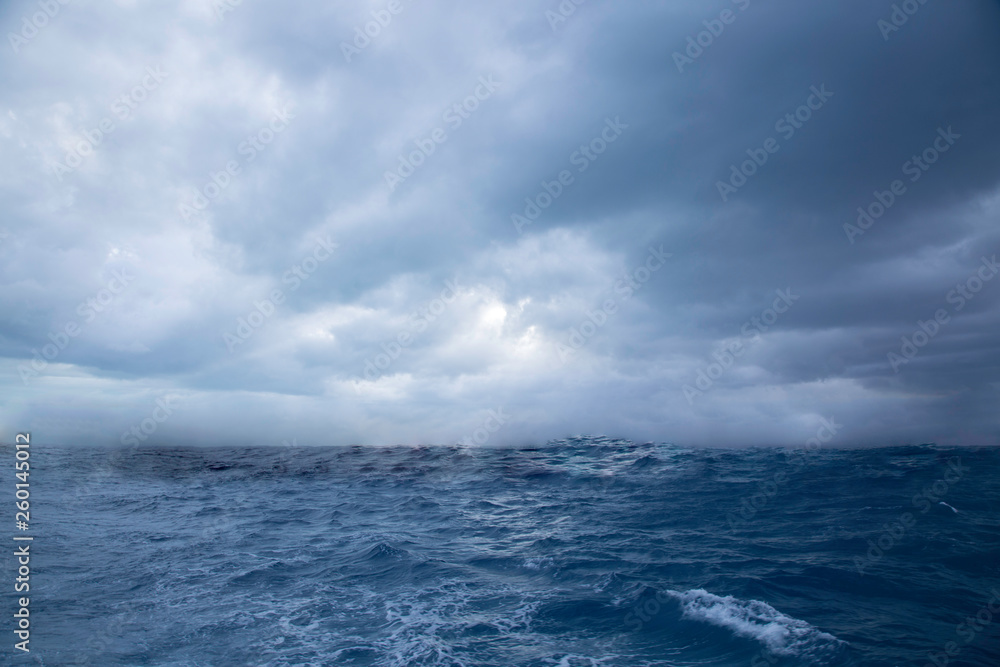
{"points": [[948, 506], [781, 634]]}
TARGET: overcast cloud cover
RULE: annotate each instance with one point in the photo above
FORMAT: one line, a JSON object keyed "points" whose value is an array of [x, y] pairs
{"points": [[488, 300]]}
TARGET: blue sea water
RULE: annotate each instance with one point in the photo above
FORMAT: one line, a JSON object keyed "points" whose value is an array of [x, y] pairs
{"points": [[578, 553]]}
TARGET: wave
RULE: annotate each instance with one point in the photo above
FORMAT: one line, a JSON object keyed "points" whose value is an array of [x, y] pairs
{"points": [[780, 634], [573, 554]]}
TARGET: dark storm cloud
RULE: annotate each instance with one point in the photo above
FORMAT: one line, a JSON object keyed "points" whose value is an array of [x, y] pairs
{"points": [[552, 316]]}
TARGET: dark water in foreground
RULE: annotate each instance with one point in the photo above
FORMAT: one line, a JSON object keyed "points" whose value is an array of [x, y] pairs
{"points": [[581, 553]]}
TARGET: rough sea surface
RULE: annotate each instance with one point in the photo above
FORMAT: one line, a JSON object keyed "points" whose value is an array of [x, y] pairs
{"points": [[578, 553]]}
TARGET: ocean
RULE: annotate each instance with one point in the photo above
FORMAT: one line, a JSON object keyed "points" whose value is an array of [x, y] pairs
{"points": [[583, 552]]}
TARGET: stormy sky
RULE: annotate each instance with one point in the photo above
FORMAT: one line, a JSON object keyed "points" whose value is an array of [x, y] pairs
{"points": [[708, 223]]}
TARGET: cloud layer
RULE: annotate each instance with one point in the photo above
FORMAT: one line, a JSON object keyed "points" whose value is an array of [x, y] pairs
{"points": [[703, 224]]}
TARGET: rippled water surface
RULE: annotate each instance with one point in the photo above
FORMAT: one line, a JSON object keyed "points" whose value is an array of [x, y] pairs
{"points": [[578, 553]]}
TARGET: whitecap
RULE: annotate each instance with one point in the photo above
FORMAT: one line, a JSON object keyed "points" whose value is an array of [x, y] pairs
{"points": [[781, 634]]}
